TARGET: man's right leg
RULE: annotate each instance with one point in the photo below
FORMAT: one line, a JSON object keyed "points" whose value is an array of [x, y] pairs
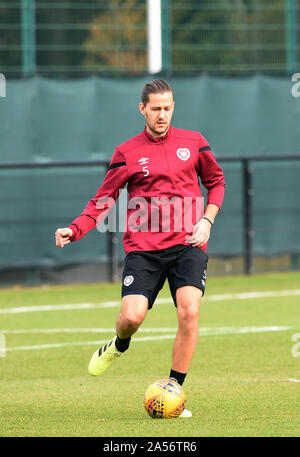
{"points": [[133, 312]]}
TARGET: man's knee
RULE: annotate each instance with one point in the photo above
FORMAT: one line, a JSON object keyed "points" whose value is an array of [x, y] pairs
{"points": [[188, 305], [134, 309], [188, 313], [131, 320]]}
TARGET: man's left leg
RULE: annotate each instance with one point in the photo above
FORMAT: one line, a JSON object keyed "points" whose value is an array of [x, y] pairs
{"points": [[188, 306]]}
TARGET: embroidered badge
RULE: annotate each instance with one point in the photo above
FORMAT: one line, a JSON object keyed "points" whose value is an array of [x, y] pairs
{"points": [[183, 153]]}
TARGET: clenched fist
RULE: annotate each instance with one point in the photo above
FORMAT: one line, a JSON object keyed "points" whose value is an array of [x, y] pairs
{"points": [[62, 236]]}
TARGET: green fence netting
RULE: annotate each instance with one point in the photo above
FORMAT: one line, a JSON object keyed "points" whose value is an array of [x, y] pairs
{"points": [[53, 120]]}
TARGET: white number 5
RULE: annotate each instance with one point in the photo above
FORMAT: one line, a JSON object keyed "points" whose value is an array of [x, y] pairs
{"points": [[145, 170]]}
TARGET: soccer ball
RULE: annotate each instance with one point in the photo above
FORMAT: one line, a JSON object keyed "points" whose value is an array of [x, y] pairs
{"points": [[164, 399]]}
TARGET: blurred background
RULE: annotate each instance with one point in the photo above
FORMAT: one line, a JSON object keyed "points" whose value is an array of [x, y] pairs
{"points": [[72, 74]]}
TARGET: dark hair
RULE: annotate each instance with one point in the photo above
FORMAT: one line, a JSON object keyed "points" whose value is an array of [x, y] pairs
{"points": [[157, 86]]}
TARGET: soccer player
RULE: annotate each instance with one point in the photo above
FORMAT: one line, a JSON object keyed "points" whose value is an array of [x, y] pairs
{"points": [[161, 167]]}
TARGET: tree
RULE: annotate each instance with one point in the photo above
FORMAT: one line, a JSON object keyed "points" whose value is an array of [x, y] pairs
{"points": [[118, 38]]}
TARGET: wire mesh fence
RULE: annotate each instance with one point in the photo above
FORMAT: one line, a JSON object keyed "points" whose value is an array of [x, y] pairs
{"points": [[223, 37]]}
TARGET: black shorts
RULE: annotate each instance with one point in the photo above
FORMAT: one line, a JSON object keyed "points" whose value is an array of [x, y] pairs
{"points": [[145, 272]]}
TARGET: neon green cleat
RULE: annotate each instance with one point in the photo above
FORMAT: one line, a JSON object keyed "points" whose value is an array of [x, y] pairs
{"points": [[185, 413], [103, 358]]}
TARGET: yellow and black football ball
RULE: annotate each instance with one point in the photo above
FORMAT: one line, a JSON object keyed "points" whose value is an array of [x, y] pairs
{"points": [[164, 399]]}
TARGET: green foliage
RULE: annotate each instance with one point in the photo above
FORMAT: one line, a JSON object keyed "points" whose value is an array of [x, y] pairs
{"points": [[220, 37]]}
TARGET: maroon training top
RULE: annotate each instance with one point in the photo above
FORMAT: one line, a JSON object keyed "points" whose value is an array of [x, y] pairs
{"points": [[163, 186]]}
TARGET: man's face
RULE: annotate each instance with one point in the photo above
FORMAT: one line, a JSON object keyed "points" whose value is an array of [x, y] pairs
{"points": [[158, 113]]}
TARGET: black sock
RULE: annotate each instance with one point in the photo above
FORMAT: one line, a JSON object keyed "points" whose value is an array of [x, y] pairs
{"points": [[179, 377], [122, 344]]}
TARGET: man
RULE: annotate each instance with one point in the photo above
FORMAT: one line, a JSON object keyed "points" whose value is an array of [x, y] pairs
{"points": [[160, 165]]}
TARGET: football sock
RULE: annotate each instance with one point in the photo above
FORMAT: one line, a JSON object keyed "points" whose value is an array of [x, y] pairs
{"points": [[179, 377], [122, 344]]}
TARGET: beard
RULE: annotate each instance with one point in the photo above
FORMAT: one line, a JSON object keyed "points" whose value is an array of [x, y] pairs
{"points": [[157, 132]]}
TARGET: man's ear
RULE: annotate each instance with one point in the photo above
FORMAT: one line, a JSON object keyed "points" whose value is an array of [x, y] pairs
{"points": [[142, 108]]}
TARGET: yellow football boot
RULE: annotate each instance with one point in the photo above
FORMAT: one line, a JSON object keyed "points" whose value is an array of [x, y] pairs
{"points": [[103, 358]]}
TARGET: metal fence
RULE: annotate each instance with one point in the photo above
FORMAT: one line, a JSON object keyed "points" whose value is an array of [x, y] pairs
{"points": [[76, 38], [246, 230]]}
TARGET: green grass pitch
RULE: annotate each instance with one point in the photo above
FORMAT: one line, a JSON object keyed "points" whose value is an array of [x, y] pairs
{"points": [[244, 379]]}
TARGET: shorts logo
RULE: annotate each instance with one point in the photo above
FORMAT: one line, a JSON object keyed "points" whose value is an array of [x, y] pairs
{"points": [[128, 280], [203, 278], [183, 153]]}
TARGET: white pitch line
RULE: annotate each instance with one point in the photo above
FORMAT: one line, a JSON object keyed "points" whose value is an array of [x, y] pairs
{"points": [[29, 309], [113, 304], [202, 332], [290, 379], [83, 343], [249, 295], [81, 330], [56, 345]]}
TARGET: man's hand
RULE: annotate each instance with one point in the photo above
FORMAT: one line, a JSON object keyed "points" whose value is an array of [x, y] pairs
{"points": [[201, 233], [62, 236]]}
